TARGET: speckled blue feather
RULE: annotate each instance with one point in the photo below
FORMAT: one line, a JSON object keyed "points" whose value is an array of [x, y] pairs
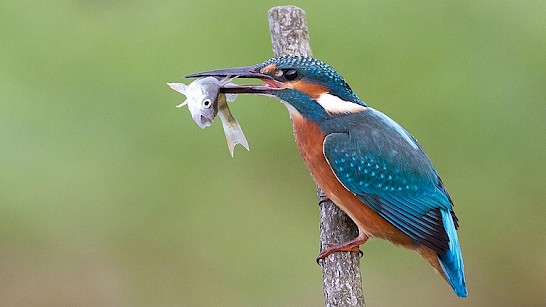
{"points": [[384, 166]]}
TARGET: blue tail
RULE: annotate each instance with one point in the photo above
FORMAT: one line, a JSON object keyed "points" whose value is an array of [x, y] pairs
{"points": [[452, 260]]}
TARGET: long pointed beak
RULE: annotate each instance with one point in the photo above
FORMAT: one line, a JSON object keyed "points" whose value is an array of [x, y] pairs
{"points": [[240, 72]]}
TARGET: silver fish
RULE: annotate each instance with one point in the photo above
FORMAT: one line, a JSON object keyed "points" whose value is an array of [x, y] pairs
{"points": [[205, 101]]}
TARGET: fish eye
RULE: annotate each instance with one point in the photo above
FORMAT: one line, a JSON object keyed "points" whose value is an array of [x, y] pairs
{"points": [[290, 74], [207, 103]]}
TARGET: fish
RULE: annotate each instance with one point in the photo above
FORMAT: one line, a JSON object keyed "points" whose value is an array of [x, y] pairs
{"points": [[205, 102]]}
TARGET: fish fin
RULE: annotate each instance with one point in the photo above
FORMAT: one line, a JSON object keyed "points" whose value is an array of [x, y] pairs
{"points": [[227, 80], [179, 87], [182, 104], [231, 97]]}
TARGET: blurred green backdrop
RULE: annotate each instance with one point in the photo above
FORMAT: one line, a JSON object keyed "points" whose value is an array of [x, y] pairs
{"points": [[110, 196]]}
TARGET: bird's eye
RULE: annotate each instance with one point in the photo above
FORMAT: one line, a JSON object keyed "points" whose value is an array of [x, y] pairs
{"points": [[291, 74], [207, 103]]}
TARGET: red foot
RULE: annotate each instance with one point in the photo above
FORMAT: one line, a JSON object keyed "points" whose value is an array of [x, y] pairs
{"points": [[351, 246]]}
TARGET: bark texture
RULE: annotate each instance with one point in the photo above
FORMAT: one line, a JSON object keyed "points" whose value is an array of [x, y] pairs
{"points": [[342, 284]]}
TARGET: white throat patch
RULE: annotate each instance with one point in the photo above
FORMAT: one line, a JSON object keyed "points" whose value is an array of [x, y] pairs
{"points": [[335, 105]]}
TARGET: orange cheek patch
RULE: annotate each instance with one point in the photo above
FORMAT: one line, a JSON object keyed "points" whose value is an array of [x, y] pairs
{"points": [[312, 90], [269, 69]]}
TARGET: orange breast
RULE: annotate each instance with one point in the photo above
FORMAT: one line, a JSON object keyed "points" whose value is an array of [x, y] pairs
{"points": [[310, 141]]}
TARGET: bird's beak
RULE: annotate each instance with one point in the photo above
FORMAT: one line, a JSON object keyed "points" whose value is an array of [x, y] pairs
{"points": [[242, 72]]}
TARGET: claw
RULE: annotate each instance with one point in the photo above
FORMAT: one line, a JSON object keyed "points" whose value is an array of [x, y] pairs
{"points": [[333, 248], [351, 246], [324, 199]]}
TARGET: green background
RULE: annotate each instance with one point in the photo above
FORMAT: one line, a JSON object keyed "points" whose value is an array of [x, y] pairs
{"points": [[110, 196]]}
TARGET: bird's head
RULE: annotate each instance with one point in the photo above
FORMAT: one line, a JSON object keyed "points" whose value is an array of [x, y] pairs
{"points": [[306, 85]]}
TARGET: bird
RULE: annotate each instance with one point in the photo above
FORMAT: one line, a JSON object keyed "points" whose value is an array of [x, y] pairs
{"points": [[366, 163]]}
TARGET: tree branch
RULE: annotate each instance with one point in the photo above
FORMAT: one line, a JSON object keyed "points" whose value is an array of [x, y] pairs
{"points": [[342, 285]]}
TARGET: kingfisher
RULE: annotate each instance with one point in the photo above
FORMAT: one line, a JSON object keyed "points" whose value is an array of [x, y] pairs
{"points": [[366, 163]]}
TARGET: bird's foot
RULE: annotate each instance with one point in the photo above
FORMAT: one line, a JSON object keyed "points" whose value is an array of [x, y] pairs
{"points": [[351, 246], [333, 248], [324, 199]]}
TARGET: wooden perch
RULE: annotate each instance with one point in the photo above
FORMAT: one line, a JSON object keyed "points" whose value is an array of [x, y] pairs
{"points": [[342, 284]]}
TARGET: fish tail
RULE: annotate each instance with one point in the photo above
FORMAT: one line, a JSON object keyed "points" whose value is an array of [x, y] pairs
{"points": [[232, 129], [451, 261], [234, 136]]}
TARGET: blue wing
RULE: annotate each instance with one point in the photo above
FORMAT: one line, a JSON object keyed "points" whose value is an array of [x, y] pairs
{"points": [[382, 164]]}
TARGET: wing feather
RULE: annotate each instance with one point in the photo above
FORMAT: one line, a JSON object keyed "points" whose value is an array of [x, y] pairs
{"points": [[390, 173]]}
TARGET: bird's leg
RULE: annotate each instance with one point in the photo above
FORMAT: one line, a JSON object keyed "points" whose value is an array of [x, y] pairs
{"points": [[350, 246]]}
